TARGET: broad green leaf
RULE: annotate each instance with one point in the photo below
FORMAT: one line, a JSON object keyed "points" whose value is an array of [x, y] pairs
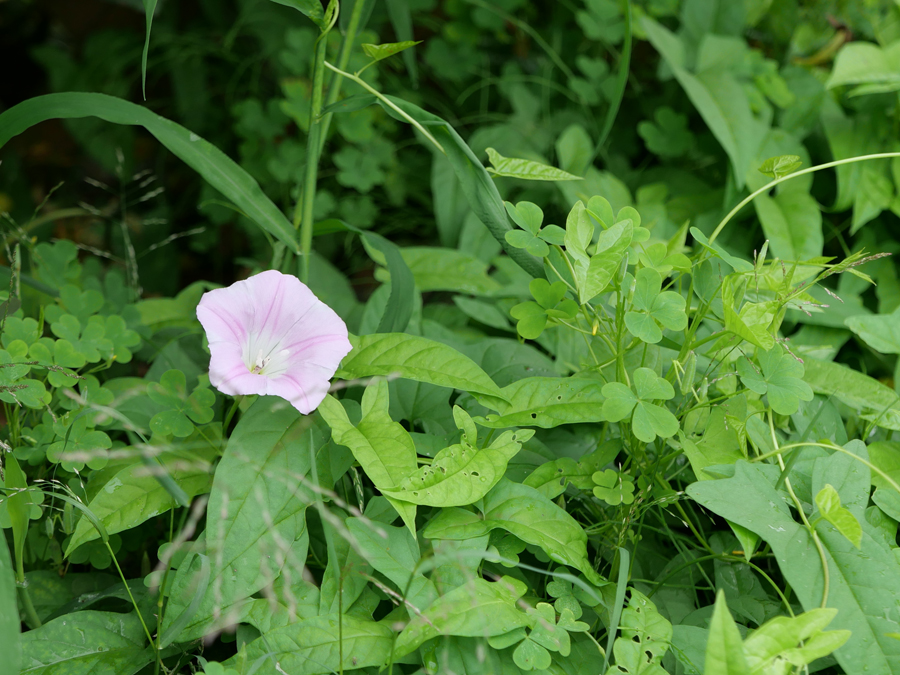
{"points": [[828, 502], [724, 648], [219, 170], [753, 320], [798, 640], [10, 624], [445, 269], [864, 63], [873, 194], [548, 402], [134, 495], [862, 607], [256, 510], [461, 474], [310, 647], [719, 98], [383, 51], [527, 514], [525, 169], [86, 642], [478, 608], [792, 222], [873, 400], [416, 358], [394, 552], [474, 180], [783, 165], [311, 8], [383, 448], [880, 331], [886, 456]]}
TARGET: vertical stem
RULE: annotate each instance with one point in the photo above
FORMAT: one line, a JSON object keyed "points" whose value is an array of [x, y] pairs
{"points": [[304, 218], [343, 59]]}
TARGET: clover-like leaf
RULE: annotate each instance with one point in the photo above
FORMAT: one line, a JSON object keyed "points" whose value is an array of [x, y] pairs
{"points": [[648, 420], [531, 656], [93, 394], [182, 411], [654, 308], [15, 328], [658, 257], [121, 339], [545, 631], [87, 339], [532, 237], [565, 597], [551, 305], [14, 386], [72, 300], [77, 444], [613, 488], [669, 135], [779, 376]]}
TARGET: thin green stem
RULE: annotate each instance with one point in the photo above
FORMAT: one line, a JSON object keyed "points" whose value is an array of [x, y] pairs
{"points": [[128, 590], [812, 530], [31, 617], [768, 186], [384, 99], [334, 90], [303, 216]]}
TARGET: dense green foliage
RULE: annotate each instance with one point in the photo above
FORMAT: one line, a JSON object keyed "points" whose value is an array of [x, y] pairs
{"points": [[624, 378]]}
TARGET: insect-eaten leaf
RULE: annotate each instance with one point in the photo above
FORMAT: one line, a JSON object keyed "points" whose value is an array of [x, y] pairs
{"points": [[525, 169]]}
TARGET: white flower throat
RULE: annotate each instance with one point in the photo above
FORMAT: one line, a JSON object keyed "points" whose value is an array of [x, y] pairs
{"points": [[271, 365]]}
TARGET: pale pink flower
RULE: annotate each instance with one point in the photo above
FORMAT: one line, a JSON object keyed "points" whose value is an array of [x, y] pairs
{"points": [[270, 335]]}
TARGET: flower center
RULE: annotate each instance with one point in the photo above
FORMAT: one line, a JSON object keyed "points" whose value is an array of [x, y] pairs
{"points": [[271, 364]]}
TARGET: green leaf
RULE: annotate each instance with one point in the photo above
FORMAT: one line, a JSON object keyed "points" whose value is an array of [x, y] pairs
{"points": [[644, 640], [648, 419], [669, 135], [461, 474], [783, 165], [864, 63], [780, 377], [149, 11], [737, 264], [18, 506], [525, 168], [181, 412], [86, 642], [611, 249], [792, 222], [880, 331], [724, 648], [873, 194], [134, 495], [531, 656], [383, 51], [10, 624], [311, 8], [401, 20], [655, 308], [257, 503], [220, 171], [613, 488], [311, 646], [720, 99], [383, 448], [416, 358], [445, 269], [862, 608], [828, 502], [530, 516], [547, 402], [478, 608], [474, 181], [797, 640], [862, 393]]}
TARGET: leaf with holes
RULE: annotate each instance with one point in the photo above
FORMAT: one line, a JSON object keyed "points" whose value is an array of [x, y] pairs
{"points": [[461, 474]]}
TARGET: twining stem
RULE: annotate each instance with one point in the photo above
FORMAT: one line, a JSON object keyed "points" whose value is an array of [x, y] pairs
{"points": [[803, 172], [812, 530], [303, 216], [384, 99]]}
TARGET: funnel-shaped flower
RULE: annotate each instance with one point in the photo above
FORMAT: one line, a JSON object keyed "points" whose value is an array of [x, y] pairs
{"points": [[270, 335]]}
